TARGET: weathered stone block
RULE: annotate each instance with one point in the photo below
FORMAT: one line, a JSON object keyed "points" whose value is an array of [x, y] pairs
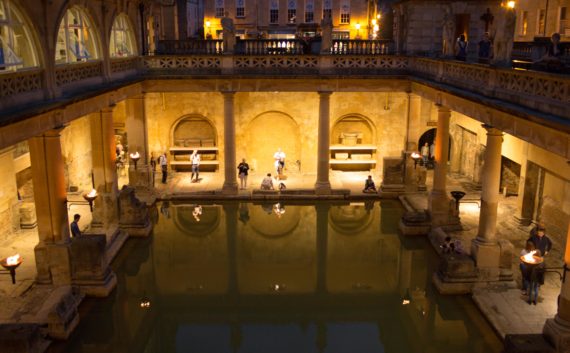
{"points": [[527, 344], [28, 219], [133, 217], [22, 338]]}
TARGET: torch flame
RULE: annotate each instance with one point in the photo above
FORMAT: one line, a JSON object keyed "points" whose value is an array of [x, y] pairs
{"points": [[135, 155], [415, 155], [13, 260], [92, 194], [530, 257]]}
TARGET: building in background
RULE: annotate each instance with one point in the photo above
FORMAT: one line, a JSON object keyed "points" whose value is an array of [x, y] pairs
{"points": [[541, 18]]}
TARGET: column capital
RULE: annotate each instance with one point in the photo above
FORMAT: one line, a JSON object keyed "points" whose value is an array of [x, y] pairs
{"points": [[492, 131], [228, 93], [414, 96], [109, 110], [54, 132], [325, 93], [140, 96], [442, 109]]}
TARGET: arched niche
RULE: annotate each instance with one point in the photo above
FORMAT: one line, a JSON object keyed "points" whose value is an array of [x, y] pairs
{"points": [[350, 219], [17, 41], [122, 43], [353, 124], [193, 131], [265, 221], [188, 224], [268, 132], [77, 39]]}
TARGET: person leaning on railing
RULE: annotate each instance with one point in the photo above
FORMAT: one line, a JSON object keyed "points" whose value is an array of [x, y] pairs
{"points": [[551, 60]]}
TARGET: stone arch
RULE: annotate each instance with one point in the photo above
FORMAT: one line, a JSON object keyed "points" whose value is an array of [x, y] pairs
{"points": [[19, 35], [267, 132], [208, 221], [77, 35], [122, 42], [354, 123], [429, 137], [267, 224], [350, 220], [193, 130]]}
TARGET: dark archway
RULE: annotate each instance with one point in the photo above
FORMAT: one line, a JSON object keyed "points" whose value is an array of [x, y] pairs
{"points": [[429, 137]]}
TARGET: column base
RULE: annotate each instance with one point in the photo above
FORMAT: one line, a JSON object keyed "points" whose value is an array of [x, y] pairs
{"points": [[557, 333], [442, 210], [92, 272], [487, 259], [61, 306], [523, 221], [134, 217], [323, 188], [230, 189], [53, 263]]}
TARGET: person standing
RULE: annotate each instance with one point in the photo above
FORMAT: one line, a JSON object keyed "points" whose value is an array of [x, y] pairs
{"points": [[541, 242], [461, 48], [432, 151], [195, 159], [279, 158], [485, 49], [525, 273], [75, 231], [536, 279], [152, 163], [243, 169], [163, 161]]}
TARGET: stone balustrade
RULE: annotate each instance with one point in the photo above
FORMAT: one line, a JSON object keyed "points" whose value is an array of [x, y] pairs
{"points": [[66, 74], [361, 47], [125, 64]]}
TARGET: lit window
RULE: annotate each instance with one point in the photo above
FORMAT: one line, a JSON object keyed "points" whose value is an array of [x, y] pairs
{"points": [[76, 38], [309, 11], [345, 12], [564, 23], [220, 8], [122, 42], [16, 48], [540, 22], [524, 26], [291, 11], [240, 8]]}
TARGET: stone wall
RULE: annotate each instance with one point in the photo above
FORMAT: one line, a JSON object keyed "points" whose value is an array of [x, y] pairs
{"points": [[267, 121], [555, 206], [77, 156], [9, 211], [510, 176]]}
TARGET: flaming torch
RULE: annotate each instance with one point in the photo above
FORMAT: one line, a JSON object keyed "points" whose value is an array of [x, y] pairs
{"points": [[90, 197], [135, 158], [11, 263]]}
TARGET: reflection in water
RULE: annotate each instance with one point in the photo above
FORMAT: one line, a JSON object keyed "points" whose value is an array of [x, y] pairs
{"points": [[296, 283], [197, 212]]}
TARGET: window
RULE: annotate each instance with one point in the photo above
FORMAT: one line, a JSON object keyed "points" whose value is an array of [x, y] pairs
{"points": [[540, 22], [122, 43], [240, 8], [220, 8], [524, 23], [309, 11], [345, 12], [327, 8], [274, 11], [16, 48], [291, 11], [76, 38]]}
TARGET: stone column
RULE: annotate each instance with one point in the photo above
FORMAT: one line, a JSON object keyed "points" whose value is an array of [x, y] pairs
{"points": [[52, 252], [414, 121], [105, 210], [231, 213], [557, 330], [485, 249], [323, 185], [137, 132], [230, 183], [438, 205]]}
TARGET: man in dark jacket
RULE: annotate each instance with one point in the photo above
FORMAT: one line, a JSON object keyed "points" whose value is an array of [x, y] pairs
{"points": [[541, 241]]}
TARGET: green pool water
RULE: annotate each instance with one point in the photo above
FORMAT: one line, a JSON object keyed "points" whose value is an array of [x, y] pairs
{"points": [[243, 277]]}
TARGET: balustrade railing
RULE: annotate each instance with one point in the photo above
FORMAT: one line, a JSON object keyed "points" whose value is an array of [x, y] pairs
{"points": [[190, 47], [20, 82], [270, 47], [360, 47], [65, 74]]}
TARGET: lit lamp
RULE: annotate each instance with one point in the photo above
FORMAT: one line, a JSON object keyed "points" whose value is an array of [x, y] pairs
{"points": [[357, 26], [416, 157], [10, 264], [208, 24], [532, 259], [145, 302], [407, 299], [135, 158], [511, 4], [90, 197]]}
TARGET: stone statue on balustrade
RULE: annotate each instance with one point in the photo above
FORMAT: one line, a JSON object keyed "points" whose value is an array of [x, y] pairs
{"points": [[448, 35], [229, 34], [503, 36], [326, 29]]}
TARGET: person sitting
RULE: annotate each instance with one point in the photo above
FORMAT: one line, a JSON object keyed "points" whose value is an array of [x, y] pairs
{"points": [[267, 182], [369, 186], [448, 246], [282, 186], [551, 60]]}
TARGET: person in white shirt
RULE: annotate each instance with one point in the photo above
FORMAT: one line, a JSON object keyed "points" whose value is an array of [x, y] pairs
{"points": [[195, 159], [163, 161], [279, 158], [267, 183]]}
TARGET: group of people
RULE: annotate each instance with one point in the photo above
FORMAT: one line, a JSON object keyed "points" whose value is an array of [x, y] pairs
{"points": [[538, 244]]}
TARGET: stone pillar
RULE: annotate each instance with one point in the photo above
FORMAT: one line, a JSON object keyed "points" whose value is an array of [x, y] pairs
{"points": [[52, 252], [105, 210], [414, 121], [323, 185], [439, 202], [557, 330], [137, 131], [485, 249], [230, 183], [231, 213]]}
